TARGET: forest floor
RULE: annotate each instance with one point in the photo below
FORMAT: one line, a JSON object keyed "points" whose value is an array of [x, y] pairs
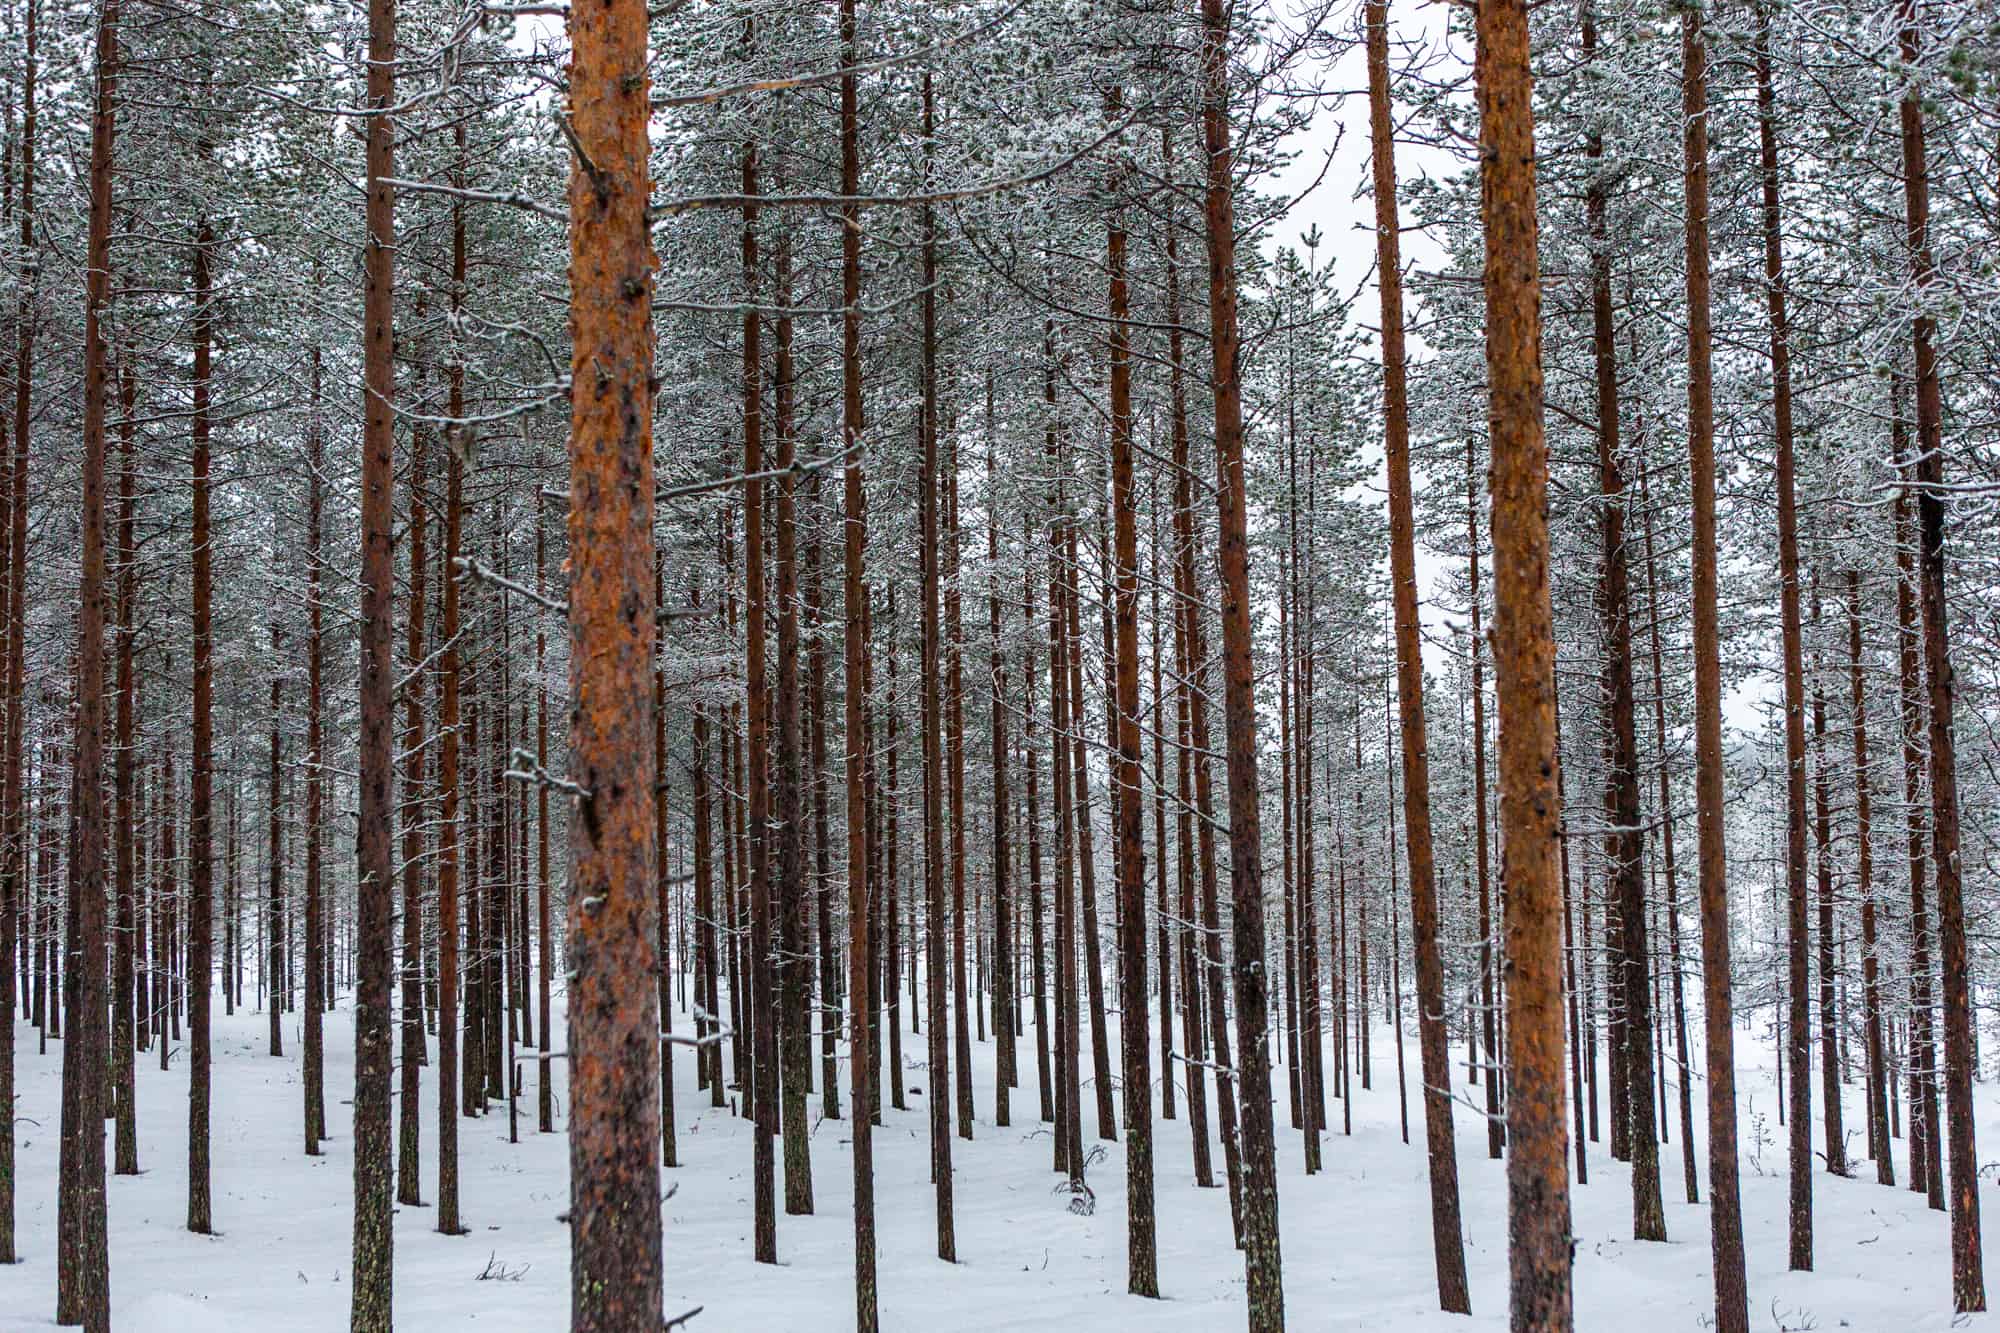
{"points": [[1357, 1237]]}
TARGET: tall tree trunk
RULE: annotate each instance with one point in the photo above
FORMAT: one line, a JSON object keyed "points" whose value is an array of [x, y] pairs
{"points": [[1068, 1141], [1262, 1271], [1134, 1025], [83, 1273], [1926, 1133], [277, 936], [1835, 1138], [1864, 873], [201, 850], [1625, 842], [1732, 1314], [450, 683], [614, 1019], [375, 894], [1968, 1280], [855, 657], [1524, 652], [1395, 919], [1188, 759], [962, 1001], [829, 970], [315, 927], [409, 1185], [708, 1025], [1037, 941], [124, 830], [1667, 861], [663, 886], [545, 1113], [16, 878], [930, 483], [1086, 854], [762, 1011], [1798, 1011], [1447, 1242], [794, 961], [1491, 1074], [1005, 1074], [1163, 907]]}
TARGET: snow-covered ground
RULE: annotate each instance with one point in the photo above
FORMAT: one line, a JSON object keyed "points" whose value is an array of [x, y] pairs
{"points": [[1356, 1237]]}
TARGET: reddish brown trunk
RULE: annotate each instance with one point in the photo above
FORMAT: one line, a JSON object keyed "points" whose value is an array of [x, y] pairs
{"points": [[1262, 1270], [83, 1277], [1968, 1281], [1667, 861], [1798, 1012], [930, 485], [794, 966], [1188, 760], [1829, 1021], [1625, 841], [1447, 1243], [762, 1012], [1068, 1139], [315, 924], [1524, 651], [414, 1055], [614, 1018], [1864, 873], [375, 901], [829, 970], [1142, 1277], [1926, 1135], [1725, 1207], [854, 551]]}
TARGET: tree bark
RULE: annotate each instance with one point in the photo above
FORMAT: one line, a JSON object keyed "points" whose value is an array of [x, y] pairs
{"points": [[855, 657], [375, 901], [930, 483], [1134, 1024], [313, 1054], [83, 1273], [1262, 1270], [1524, 653], [794, 962], [1926, 1132], [762, 1011], [16, 874], [1864, 873], [1798, 1012], [1625, 842], [450, 683], [409, 1185], [124, 832], [1725, 1207], [1968, 1281], [1447, 1242], [614, 1018]]}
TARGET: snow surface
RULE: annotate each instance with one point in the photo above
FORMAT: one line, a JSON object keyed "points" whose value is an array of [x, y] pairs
{"points": [[1356, 1237]]}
